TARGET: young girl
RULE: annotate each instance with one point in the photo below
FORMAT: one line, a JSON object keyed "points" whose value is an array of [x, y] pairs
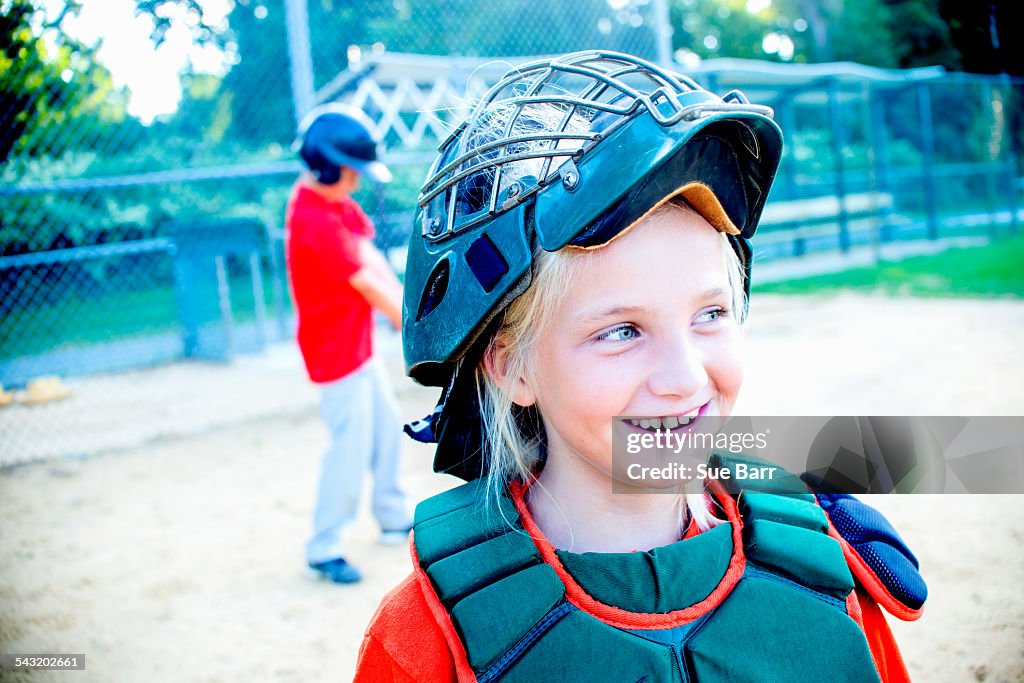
{"points": [[584, 256]]}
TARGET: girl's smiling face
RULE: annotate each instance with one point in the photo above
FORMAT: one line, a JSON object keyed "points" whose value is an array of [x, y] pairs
{"points": [[646, 327]]}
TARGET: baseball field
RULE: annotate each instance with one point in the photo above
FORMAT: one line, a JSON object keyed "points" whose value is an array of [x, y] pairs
{"points": [[176, 555]]}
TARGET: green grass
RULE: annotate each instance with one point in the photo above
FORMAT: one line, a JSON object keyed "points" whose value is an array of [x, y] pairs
{"points": [[996, 270]]}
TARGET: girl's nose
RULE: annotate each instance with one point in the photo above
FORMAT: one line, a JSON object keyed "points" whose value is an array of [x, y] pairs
{"points": [[677, 370]]}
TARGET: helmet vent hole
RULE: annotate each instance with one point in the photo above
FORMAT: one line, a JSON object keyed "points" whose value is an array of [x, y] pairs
{"points": [[433, 293]]}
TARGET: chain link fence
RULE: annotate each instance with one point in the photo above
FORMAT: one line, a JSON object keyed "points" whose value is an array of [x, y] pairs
{"points": [[126, 246]]}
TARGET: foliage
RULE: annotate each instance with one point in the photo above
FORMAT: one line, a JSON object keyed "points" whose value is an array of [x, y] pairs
{"points": [[40, 221], [45, 86], [257, 90], [248, 115], [886, 33], [460, 27], [260, 91], [727, 28], [165, 13]]}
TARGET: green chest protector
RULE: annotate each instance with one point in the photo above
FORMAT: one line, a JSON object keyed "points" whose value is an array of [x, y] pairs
{"points": [[760, 598]]}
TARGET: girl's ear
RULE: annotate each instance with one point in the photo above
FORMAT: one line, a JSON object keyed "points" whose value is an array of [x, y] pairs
{"points": [[498, 364]]}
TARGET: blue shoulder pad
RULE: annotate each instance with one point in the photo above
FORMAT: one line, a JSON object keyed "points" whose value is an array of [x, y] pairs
{"points": [[892, 565]]}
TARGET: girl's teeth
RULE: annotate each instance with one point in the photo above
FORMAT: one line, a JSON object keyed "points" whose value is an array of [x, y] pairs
{"points": [[670, 422]]}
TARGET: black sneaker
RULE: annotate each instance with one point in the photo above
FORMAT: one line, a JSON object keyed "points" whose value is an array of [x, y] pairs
{"points": [[338, 571]]}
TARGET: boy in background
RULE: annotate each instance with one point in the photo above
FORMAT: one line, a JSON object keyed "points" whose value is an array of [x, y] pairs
{"points": [[338, 277]]}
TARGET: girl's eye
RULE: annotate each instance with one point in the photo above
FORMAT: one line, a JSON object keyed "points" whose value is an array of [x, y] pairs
{"points": [[622, 333], [713, 315]]}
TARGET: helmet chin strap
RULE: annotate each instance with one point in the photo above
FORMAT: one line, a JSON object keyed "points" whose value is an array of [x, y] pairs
{"points": [[425, 430]]}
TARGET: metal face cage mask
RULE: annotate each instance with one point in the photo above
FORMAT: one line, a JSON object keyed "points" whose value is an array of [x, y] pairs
{"points": [[545, 114], [567, 151]]}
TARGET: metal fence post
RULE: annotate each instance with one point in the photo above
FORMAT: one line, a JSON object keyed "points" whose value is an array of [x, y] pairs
{"points": [[380, 203], [259, 306], [224, 300], [924, 106], [838, 141], [870, 144], [277, 280], [1011, 169], [993, 157], [787, 119], [712, 80], [662, 32], [300, 58], [880, 140], [1005, 86]]}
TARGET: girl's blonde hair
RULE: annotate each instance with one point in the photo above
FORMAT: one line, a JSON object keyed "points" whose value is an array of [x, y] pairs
{"points": [[513, 436]]}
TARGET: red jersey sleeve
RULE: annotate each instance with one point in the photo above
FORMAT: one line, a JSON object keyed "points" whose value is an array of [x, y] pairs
{"points": [[884, 650], [403, 643]]}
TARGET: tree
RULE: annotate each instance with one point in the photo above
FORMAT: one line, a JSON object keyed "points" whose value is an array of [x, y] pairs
{"points": [[971, 36], [43, 88], [164, 16], [786, 30], [258, 86], [983, 34]]}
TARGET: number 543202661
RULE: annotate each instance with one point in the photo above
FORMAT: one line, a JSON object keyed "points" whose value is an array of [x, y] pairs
{"points": [[59, 662]]}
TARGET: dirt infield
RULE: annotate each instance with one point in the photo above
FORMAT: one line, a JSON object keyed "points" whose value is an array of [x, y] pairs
{"points": [[181, 559]]}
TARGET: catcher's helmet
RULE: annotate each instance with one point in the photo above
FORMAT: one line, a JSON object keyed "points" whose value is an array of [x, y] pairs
{"points": [[332, 136], [566, 151]]}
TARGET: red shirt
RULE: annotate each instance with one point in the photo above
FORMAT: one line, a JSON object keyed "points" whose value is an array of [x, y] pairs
{"points": [[322, 250]]}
